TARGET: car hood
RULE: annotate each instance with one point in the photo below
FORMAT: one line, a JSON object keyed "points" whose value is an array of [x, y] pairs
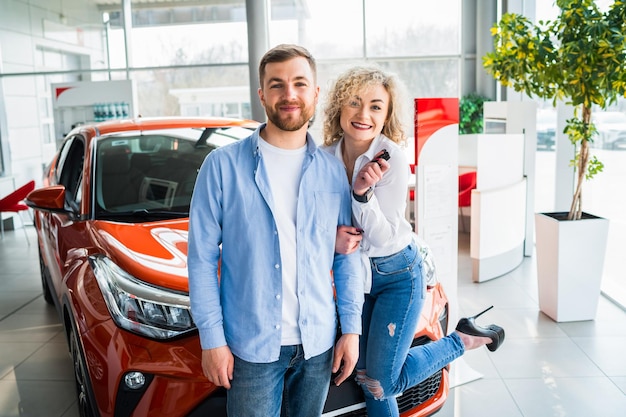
{"points": [[154, 252]]}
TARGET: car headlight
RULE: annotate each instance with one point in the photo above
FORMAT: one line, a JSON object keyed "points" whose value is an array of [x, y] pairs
{"points": [[139, 307]]}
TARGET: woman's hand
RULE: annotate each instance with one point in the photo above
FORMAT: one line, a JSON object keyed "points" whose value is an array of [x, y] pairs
{"points": [[348, 239], [370, 174]]}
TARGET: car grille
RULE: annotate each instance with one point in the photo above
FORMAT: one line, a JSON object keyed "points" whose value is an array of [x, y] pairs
{"points": [[411, 398], [415, 396], [418, 395]]}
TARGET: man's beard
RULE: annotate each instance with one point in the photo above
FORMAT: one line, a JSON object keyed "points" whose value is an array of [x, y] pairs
{"points": [[290, 123]]}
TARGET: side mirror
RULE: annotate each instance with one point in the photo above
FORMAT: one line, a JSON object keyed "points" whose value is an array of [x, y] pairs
{"points": [[49, 198]]}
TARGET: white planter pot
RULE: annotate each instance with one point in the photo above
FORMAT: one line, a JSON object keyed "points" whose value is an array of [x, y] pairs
{"points": [[570, 261]]}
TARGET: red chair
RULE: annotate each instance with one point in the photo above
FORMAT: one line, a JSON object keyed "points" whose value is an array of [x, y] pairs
{"points": [[12, 203], [467, 182]]}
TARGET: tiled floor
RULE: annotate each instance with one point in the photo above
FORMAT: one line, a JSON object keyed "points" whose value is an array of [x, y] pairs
{"points": [[544, 368]]}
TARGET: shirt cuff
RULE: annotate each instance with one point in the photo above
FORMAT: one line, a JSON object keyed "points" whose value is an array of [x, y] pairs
{"points": [[351, 324], [212, 338]]}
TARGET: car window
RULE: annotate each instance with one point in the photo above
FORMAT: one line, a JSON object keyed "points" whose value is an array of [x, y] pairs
{"points": [[153, 172], [65, 148], [69, 170]]}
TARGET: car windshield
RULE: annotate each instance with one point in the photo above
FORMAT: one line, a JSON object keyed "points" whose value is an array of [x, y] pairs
{"points": [[143, 176]]}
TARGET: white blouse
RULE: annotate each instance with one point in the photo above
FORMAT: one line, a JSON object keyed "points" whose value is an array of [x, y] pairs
{"points": [[383, 218]]}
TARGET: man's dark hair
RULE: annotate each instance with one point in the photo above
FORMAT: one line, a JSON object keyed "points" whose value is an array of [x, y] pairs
{"points": [[282, 53]]}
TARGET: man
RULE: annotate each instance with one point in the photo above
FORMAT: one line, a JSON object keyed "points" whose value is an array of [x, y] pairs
{"points": [[273, 202]]}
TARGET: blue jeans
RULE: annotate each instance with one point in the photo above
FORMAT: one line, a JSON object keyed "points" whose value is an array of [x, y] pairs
{"points": [[289, 387], [387, 364]]}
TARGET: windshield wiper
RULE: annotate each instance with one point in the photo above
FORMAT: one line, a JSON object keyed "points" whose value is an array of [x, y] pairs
{"points": [[147, 214]]}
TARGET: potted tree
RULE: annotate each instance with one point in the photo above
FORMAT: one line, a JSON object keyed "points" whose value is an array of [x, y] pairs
{"points": [[578, 58]]}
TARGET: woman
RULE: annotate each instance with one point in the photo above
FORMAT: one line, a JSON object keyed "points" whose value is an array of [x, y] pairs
{"points": [[362, 127]]}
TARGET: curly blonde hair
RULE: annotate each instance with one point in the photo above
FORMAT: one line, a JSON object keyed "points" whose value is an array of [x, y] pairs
{"points": [[353, 82]]}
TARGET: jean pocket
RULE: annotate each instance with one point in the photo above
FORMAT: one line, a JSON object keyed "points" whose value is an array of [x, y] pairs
{"points": [[401, 262]]}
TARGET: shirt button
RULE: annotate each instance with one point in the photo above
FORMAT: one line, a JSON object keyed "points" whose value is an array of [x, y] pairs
{"points": [[277, 326], [276, 266], [278, 296]]}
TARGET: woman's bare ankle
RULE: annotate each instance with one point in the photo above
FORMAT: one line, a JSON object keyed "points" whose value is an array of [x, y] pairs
{"points": [[473, 342]]}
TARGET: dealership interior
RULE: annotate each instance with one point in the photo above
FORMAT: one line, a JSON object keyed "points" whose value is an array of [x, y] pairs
{"points": [[199, 58]]}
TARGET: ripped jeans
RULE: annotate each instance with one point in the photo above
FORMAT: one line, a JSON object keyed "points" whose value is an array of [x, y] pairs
{"points": [[387, 364]]}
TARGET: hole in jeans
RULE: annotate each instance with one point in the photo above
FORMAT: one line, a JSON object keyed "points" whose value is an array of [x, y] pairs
{"points": [[372, 385]]}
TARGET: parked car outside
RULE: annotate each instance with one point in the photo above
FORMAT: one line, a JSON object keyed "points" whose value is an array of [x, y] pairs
{"points": [[611, 127], [112, 222]]}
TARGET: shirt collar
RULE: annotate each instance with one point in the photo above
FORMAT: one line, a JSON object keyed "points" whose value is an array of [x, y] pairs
{"points": [[311, 147], [375, 147]]}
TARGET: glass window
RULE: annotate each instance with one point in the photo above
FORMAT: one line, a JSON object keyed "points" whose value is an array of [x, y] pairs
{"points": [[406, 28], [153, 171], [167, 92], [368, 28], [604, 195], [329, 29], [184, 35], [426, 43], [545, 157], [69, 170]]}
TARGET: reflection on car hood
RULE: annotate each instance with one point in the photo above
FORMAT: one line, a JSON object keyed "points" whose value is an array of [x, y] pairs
{"points": [[154, 252]]}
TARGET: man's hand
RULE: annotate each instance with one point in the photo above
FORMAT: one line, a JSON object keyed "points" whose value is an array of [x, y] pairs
{"points": [[348, 239], [217, 365], [346, 356]]}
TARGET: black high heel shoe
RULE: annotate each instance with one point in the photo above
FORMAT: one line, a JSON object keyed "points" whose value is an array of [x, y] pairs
{"points": [[468, 326]]}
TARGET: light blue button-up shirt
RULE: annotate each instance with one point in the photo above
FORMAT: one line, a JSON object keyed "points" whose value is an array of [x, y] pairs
{"points": [[231, 210]]}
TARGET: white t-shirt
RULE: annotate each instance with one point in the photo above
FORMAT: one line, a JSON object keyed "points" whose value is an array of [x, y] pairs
{"points": [[284, 169]]}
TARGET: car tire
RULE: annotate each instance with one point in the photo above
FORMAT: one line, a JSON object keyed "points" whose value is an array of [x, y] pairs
{"points": [[81, 378], [43, 270]]}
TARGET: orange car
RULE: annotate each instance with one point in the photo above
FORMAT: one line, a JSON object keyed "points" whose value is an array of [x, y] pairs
{"points": [[112, 223]]}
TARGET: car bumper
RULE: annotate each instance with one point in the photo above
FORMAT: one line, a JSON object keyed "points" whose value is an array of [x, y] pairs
{"points": [[174, 384]]}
